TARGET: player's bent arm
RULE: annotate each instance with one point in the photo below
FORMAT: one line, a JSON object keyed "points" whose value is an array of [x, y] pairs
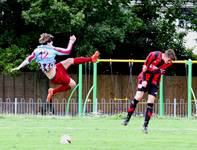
{"points": [[25, 62], [149, 60], [161, 71], [66, 51]]}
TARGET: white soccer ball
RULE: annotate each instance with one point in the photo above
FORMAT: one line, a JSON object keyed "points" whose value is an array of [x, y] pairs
{"points": [[65, 139]]}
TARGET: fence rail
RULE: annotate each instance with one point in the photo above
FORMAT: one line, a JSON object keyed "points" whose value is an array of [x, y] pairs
{"points": [[105, 107]]}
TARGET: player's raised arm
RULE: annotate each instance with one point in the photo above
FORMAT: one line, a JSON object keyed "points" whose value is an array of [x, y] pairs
{"points": [[25, 62], [66, 51]]}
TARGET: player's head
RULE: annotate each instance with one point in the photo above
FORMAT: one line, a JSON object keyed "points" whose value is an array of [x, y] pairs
{"points": [[45, 38], [169, 56]]}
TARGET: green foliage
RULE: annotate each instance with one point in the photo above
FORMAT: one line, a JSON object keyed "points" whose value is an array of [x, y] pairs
{"points": [[159, 30], [53, 16], [7, 37], [97, 26], [107, 24], [11, 57], [12, 54], [118, 28]]}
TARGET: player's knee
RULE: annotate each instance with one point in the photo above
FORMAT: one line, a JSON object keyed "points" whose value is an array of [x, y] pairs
{"points": [[139, 95], [151, 98], [150, 101]]}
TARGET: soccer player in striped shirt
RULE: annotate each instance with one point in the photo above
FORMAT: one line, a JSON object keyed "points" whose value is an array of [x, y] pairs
{"points": [[45, 54], [154, 66]]}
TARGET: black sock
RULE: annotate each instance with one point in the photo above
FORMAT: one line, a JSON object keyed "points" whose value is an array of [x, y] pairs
{"points": [[132, 108], [148, 114]]}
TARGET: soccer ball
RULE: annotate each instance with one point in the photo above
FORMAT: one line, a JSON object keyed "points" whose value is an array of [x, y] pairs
{"points": [[65, 139]]}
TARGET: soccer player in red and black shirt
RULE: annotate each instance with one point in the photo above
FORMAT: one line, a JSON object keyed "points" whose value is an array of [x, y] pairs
{"points": [[148, 80]]}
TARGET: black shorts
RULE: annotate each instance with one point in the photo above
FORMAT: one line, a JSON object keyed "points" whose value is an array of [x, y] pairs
{"points": [[151, 88]]}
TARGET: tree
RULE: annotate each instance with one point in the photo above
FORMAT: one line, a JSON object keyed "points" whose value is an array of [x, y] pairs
{"points": [[10, 21], [16, 39], [159, 26], [98, 24], [119, 29]]}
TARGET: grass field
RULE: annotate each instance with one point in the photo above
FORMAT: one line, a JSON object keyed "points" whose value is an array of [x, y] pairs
{"points": [[96, 133]]}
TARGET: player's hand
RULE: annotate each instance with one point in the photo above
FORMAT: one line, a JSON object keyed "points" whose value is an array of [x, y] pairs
{"points": [[162, 71], [158, 71], [15, 69], [144, 68], [153, 67], [144, 83], [72, 38]]}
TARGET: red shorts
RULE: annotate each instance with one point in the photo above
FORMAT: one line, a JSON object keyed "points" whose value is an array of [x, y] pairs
{"points": [[61, 76]]}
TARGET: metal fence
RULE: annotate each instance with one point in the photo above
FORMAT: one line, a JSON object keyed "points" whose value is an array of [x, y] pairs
{"points": [[104, 107]]}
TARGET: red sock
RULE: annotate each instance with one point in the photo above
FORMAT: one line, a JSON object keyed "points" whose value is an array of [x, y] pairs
{"points": [[61, 88], [80, 60]]}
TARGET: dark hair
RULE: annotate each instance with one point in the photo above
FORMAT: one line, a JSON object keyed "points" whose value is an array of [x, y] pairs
{"points": [[45, 38], [170, 54]]}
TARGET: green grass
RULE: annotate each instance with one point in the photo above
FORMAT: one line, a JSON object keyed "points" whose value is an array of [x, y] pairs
{"points": [[96, 133]]}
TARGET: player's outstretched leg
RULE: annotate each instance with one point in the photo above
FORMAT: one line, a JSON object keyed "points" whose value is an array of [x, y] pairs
{"points": [[95, 56], [130, 112], [81, 60]]}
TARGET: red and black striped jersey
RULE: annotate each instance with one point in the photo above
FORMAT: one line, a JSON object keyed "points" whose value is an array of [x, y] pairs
{"points": [[155, 63], [155, 67]]}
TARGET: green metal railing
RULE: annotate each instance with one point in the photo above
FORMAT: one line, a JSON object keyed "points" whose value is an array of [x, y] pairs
{"points": [[161, 96], [86, 100], [95, 88], [189, 87], [69, 98], [80, 91]]}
